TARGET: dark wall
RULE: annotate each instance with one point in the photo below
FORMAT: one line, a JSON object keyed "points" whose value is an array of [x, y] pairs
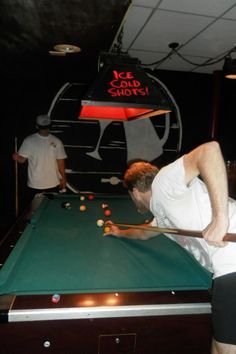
{"points": [[24, 98], [206, 104], [227, 117], [193, 94]]}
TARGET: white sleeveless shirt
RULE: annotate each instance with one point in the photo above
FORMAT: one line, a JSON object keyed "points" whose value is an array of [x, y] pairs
{"points": [[175, 205]]}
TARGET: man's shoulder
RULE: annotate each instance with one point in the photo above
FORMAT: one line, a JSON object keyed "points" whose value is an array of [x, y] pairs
{"points": [[170, 177], [172, 166], [54, 137], [30, 137]]}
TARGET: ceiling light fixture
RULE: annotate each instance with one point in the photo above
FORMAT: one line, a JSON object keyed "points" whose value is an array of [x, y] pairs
{"points": [[123, 91], [64, 49], [67, 48]]}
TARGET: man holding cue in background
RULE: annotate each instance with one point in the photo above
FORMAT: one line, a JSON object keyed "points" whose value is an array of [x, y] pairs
{"points": [[178, 198], [46, 156]]}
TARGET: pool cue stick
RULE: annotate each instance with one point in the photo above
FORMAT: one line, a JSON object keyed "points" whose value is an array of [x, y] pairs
{"points": [[181, 232], [16, 182], [72, 188]]}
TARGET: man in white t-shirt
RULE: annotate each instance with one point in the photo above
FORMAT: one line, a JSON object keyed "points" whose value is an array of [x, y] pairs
{"points": [[178, 198], [46, 156]]}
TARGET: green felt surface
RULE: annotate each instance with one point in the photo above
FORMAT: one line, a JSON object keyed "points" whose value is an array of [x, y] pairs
{"points": [[64, 251]]}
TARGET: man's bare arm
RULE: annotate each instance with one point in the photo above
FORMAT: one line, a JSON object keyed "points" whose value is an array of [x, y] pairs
{"points": [[207, 161], [61, 168]]}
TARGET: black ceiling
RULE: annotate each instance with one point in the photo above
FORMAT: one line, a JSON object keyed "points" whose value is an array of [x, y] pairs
{"points": [[31, 28]]}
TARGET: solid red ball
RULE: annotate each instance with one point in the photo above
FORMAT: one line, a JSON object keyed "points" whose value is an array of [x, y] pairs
{"points": [[90, 197], [107, 212]]}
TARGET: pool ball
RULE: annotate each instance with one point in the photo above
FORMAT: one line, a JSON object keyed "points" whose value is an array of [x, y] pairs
{"points": [[104, 206], [82, 208], [107, 212], [66, 205], [107, 229], [90, 197], [100, 222], [82, 197], [55, 298]]}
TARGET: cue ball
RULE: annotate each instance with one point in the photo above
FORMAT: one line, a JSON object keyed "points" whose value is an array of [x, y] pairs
{"points": [[82, 208], [107, 212], [55, 298], [66, 205], [82, 197], [100, 222]]}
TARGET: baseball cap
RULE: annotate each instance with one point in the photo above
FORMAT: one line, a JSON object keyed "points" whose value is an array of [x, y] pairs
{"points": [[43, 120]]}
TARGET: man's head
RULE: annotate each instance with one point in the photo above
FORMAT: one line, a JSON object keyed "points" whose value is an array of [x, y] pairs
{"points": [[138, 179], [140, 175], [43, 122]]}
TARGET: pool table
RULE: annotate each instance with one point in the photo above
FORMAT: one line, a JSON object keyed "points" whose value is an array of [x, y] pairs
{"points": [[65, 288]]}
